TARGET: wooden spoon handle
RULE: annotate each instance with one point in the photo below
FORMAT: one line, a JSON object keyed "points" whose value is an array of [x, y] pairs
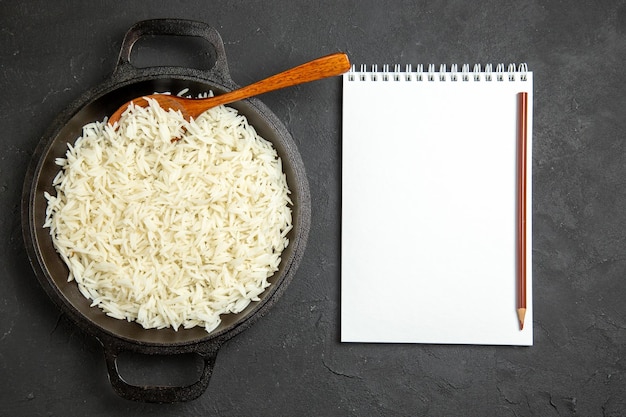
{"points": [[324, 67]]}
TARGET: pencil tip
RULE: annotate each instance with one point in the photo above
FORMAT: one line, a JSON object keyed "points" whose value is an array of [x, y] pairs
{"points": [[521, 314]]}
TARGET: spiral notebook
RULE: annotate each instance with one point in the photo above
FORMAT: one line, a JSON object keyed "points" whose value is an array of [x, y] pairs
{"points": [[428, 250]]}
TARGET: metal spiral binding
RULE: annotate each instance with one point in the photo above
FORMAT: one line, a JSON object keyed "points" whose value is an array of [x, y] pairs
{"points": [[502, 72]]}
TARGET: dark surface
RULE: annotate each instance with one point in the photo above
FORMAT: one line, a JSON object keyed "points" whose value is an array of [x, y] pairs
{"points": [[291, 362]]}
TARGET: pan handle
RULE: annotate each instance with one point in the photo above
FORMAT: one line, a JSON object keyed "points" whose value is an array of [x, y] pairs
{"points": [[158, 393], [171, 27]]}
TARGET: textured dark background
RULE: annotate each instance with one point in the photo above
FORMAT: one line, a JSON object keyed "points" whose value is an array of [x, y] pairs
{"points": [[290, 362]]}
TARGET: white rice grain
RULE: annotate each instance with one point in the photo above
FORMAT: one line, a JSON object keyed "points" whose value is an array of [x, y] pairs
{"points": [[170, 233]]}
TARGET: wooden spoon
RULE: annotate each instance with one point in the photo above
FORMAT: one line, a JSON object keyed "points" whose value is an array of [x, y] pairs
{"points": [[324, 67]]}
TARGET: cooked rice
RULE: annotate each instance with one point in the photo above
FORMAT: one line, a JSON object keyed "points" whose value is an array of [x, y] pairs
{"points": [[170, 233]]}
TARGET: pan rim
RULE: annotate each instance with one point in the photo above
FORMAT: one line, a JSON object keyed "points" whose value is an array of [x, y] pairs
{"points": [[29, 221]]}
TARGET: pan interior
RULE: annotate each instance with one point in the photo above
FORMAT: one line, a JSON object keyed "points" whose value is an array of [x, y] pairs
{"points": [[54, 272]]}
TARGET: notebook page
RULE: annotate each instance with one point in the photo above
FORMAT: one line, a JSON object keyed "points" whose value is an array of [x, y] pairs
{"points": [[429, 211]]}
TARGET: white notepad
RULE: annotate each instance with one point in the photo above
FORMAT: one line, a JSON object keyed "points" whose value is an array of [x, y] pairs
{"points": [[428, 251]]}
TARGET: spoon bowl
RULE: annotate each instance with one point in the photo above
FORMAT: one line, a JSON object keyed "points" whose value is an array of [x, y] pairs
{"points": [[324, 67]]}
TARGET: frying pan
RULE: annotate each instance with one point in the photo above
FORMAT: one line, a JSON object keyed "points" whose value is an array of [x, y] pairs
{"points": [[126, 83]]}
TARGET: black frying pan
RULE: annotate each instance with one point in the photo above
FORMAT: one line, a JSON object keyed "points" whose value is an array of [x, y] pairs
{"points": [[126, 83]]}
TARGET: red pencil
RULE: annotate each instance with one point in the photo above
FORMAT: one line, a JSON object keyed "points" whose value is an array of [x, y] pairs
{"points": [[522, 135]]}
